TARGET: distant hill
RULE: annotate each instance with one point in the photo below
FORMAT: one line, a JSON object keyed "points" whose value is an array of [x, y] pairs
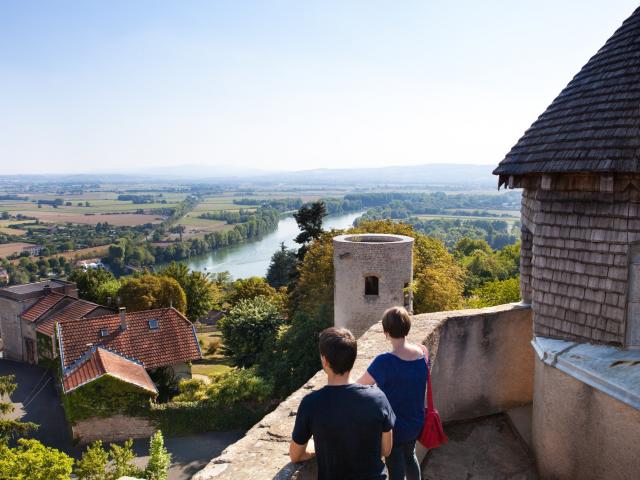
{"points": [[439, 175], [430, 174]]}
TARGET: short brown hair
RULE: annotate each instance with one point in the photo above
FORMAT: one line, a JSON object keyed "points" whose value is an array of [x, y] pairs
{"points": [[396, 321], [339, 347]]}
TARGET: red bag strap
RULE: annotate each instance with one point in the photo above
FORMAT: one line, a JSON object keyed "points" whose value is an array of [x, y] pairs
{"points": [[429, 394]]}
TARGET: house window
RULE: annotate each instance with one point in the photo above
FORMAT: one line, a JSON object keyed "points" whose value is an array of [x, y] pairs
{"points": [[153, 324], [104, 332], [371, 285]]}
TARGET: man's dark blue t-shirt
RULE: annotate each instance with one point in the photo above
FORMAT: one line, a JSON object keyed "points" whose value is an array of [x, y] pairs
{"points": [[346, 422]]}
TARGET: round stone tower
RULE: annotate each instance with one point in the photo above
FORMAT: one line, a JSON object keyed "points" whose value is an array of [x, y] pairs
{"points": [[371, 274]]}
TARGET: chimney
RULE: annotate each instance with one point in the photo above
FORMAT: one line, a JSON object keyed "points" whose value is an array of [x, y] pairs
{"points": [[47, 289], [123, 318]]}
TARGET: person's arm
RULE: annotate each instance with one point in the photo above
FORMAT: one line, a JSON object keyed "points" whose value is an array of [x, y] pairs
{"points": [[374, 374], [387, 443], [300, 453], [366, 379], [299, 450]]}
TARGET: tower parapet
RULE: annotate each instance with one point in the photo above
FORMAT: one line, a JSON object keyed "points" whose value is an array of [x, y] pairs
{"points": [[372, 273]]}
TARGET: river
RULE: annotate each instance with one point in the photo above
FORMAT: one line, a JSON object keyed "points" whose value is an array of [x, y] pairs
{"points": [[252, 258]]}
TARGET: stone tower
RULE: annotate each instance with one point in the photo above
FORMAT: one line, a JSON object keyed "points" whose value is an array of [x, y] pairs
{"points": [[371, 274]]}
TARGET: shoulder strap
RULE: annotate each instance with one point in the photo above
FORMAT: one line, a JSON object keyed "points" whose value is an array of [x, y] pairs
{"points": [[429, 394]]}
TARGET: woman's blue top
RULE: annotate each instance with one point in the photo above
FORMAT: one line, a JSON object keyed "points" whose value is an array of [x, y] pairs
{"points": [[404, 383]]}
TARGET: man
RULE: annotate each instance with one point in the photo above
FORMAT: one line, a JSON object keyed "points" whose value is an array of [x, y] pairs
{"points": [[350, 423]]}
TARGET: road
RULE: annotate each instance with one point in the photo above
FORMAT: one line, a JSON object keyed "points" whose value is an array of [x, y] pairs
{"points": [[36, 400]]}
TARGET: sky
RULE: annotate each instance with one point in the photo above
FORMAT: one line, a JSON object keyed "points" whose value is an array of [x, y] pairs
{"points": [[133, 85]]}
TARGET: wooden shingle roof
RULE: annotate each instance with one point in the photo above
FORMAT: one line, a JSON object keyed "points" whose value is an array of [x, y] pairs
{"points": [[594, 124]]}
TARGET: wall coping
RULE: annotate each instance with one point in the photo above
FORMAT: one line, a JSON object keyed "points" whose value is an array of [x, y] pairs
{"points": [[611, 370], [263, 451]]}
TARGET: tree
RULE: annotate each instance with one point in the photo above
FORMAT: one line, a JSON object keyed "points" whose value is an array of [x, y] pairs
{"points": [[248, 288], [98, 464], [496, 292], [11, 428], [309, 220], [202, 293], [152, 291], [159, 459], [107, 292], [31, 460], [121, 458], [89, 282], [282, 268], [178, 271], [466, 246], [93, 464], [249, 329]]}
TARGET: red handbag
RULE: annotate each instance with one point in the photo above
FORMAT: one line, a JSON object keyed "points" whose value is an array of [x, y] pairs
{"points": [[432, 435]]}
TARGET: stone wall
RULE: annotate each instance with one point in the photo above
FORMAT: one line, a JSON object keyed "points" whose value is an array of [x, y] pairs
{"points": [[112, 429], [581, 432], [581, 238], [483, 354], [389, 258], [10, 326]]}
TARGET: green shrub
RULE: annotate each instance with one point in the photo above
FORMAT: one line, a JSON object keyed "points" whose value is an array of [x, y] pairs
{"points": [[104, 397], [249, 329], [213, 346]]}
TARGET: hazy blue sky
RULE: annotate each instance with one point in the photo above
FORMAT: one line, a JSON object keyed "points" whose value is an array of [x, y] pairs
{"points": [[283, 84]]}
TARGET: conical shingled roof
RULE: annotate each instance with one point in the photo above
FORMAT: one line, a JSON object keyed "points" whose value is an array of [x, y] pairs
{"points": [[594, 124]]}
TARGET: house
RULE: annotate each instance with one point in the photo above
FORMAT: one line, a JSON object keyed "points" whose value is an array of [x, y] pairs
{"points": [[19, 334], [149, 339], [33, 250], [90, 264]]}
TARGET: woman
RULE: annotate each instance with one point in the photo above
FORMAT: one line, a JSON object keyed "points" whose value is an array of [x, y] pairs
{"points": [[402, 375]]}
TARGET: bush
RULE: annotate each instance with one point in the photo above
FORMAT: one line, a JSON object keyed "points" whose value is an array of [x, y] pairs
{"points": [[249, 329], [213, 346], [497, 292]]}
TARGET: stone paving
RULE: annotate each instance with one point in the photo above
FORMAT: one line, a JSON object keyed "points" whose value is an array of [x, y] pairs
{"points": [[485, 449]]}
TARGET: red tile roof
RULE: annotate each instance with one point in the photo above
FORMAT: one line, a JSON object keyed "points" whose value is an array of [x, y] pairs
{"points": [[101, 362], [74, 311], [174, 341], [42, 306]]}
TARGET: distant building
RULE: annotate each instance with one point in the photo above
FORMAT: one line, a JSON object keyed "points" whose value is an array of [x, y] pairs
{"points": [[90, 264], [33, 250], [4, 276]]}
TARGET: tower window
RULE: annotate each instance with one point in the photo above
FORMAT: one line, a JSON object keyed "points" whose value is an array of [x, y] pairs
{"points": [[371, 285]]}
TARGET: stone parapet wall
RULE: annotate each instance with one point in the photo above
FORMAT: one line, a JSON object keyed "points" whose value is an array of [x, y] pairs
{"points": [[580, 260], [581, 432], [482, 364], [112, 429]]}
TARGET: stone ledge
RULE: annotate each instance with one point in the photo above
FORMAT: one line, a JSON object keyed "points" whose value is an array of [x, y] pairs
{"points": [[263, 452], [611, 370]]}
